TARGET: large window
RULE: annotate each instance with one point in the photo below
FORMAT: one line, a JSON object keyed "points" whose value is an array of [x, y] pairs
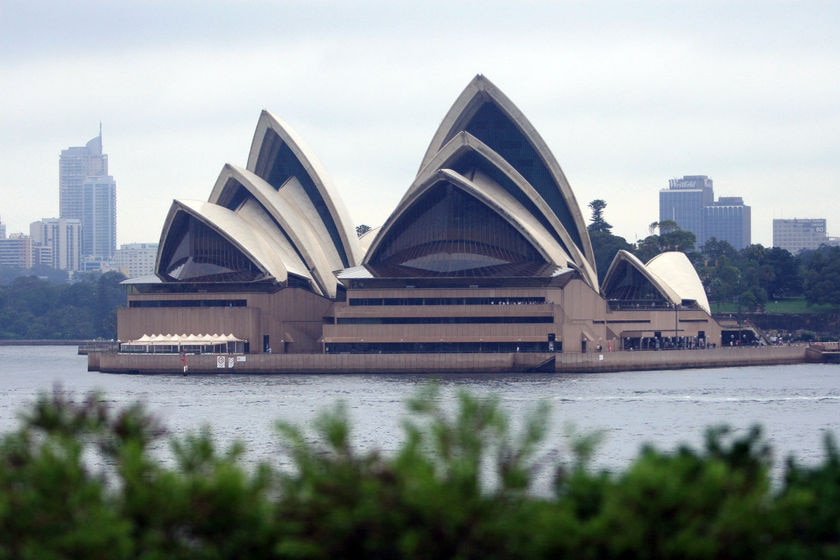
{"points": [[451, 233], [198, 253]]}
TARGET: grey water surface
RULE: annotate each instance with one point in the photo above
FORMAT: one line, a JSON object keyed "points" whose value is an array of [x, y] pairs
{"points": [[795, 404]]}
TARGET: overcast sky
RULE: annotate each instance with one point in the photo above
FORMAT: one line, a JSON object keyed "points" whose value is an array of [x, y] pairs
{"points": [[626, 94]]}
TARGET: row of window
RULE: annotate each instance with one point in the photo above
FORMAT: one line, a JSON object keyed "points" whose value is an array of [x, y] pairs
{"points": [[443, 320], [441, 347], [188, 303], [449, 301]]}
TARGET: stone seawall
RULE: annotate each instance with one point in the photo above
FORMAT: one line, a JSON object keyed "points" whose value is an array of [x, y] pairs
{"points": [[108, 362], [681, 359]]}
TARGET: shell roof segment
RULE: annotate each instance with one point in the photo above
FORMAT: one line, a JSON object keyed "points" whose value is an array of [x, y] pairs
{"points": [[452, 227], [670, 275], [204, 241], [486, 113], [675, 268], [287, 216], [490, 150], [279, 216], [278, 154]]}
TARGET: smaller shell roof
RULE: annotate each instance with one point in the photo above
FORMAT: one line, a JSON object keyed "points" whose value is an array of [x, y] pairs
{"points": [[628, 258], [676, 270], [671, 273], [233, 228]]}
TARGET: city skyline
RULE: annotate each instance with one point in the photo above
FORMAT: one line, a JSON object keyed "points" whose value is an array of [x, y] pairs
{"points": [[628, 96]]}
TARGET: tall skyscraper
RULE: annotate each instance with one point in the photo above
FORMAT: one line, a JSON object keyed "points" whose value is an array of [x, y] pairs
{"points": [[87, 193], [99, 220], [690, 202]]}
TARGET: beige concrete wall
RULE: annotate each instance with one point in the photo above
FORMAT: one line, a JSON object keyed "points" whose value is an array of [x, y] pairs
{"points": [[134, 322], [439, 363], [683, 322], [575, 309], [584, 311], [292, 318]]}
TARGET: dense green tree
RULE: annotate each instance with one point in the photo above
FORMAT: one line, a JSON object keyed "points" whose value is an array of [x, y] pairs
{"points": [[749, 277], [35, 308], [9, 274], [604, 244], [670, 238], [716, 252], [597, 221], [786, 279], [821, 276]]}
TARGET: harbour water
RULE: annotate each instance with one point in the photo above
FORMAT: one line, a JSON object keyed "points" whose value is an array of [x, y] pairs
{"points": [[795, 404]]}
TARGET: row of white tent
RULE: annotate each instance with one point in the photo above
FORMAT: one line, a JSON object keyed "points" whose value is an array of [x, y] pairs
{"points": [[173, 343], [186, 339]]}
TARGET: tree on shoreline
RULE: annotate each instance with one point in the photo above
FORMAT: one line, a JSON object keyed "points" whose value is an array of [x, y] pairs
{"points": [[35, 308]]}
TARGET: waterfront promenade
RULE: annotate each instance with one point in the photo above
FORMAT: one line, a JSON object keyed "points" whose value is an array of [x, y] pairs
{"points": [[109, 362]]}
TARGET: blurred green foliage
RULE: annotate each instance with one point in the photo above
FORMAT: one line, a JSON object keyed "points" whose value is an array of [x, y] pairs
{"points": [[81, 480]]}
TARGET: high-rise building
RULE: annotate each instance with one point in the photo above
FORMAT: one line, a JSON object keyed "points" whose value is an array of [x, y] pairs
{"points": [[728, 219], [690, 202], [87, 193], [683, 202], [62, 238], [798, 235], [135, 259], [16, 251], [99, 220]]}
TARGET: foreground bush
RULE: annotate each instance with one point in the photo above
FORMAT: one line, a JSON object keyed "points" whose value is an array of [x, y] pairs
{"points": [[78, 480]]}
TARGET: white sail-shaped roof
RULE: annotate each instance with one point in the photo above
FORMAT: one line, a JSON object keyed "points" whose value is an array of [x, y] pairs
{"points": [[671, 274], [277, 153], [287, 215], [234, 239], [468, 155], [281, 213], [486, 113], [676, 270], [619, 266]]}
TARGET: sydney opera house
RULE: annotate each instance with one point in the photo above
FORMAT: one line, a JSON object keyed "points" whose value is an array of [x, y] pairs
{"points": [[487, 252]]}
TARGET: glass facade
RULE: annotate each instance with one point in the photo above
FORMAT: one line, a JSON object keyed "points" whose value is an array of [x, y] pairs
{"points": [[195, 252], [492, 126], [448, 232], [628, 287]]}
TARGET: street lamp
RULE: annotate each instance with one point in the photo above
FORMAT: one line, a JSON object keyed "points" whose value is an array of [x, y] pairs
{"points": [[676, 322]]}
